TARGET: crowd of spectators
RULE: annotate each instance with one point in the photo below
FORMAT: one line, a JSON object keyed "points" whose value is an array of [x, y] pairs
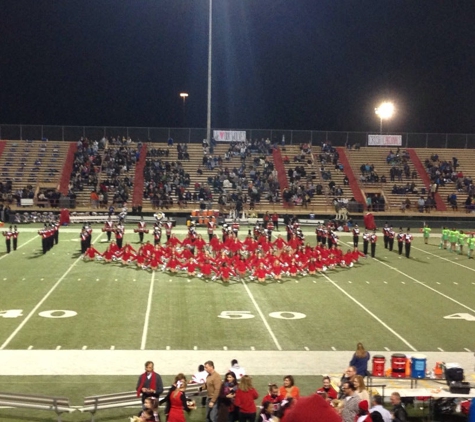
{"points": [[163, 178]]}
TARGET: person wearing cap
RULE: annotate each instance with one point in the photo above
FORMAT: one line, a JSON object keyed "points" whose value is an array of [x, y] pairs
{"points": [[363, 413], [313, 408]]}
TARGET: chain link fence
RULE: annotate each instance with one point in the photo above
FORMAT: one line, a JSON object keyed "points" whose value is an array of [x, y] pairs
{"points": [[186, 135]]}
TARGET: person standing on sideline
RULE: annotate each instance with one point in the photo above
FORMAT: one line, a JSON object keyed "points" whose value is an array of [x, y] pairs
{"points": [[238, 370], [150, 383], [373, 239], [244, 400], [400, 240], [399, 412], [360, 360], [408, 240], [213, 386], [426, 233], [377, 403], [351, 399], [176, 401]]}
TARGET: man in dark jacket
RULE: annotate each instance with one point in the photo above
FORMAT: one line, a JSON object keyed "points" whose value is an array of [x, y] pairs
{"points": [[399, 412]]}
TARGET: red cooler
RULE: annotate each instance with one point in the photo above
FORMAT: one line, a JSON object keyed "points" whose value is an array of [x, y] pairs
{"points": [[378, 366], [398, 365]]}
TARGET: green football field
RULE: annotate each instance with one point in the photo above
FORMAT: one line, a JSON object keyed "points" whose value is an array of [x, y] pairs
{"points": [[78, 328], [57, 301]]}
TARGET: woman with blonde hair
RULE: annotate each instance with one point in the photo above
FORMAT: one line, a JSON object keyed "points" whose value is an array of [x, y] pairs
{"points": [[176, 400], [360, 360], [244, 399], [361, 390]]}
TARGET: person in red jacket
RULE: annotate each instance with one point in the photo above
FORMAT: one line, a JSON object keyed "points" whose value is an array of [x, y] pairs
{"points": [[244, 399], [328, 389], [273, 397]]}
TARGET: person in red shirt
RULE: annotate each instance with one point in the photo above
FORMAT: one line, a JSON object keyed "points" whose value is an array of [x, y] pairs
{"points": [[273, 397], [328, 389], [244, 399]]}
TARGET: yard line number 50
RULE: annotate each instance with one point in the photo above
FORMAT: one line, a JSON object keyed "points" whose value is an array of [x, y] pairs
{"points": [[249, 315]]}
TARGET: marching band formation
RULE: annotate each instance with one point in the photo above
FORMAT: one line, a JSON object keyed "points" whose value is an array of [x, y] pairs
{"points": [[258, 257]]}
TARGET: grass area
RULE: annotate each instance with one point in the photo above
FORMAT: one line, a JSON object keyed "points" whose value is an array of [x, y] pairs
{"points": [[425, 303]]}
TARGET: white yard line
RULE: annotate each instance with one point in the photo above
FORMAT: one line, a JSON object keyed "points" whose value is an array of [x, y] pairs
{"points": [[445, 259], [373, 315], [262, 316], [33, 311], [19, 247], [147, 313], [425, 285]]}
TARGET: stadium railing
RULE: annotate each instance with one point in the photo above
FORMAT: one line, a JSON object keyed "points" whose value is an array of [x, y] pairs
{"points": [[59, 405], [129, 398]]}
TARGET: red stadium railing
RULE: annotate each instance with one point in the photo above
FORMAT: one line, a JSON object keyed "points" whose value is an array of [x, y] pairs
{"points": [[281, 173], [425, 178], [354, 186]]}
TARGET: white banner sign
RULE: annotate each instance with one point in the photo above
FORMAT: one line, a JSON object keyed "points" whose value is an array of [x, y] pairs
{"points": [[385, 140], [229, 135]]}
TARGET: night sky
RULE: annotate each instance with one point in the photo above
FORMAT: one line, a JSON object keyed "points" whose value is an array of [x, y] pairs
{"points": [[293, 64]]}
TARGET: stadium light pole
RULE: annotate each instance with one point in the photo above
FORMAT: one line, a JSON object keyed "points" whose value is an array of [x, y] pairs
{"points": [[210, 49], [184, 95], [384, 111]]}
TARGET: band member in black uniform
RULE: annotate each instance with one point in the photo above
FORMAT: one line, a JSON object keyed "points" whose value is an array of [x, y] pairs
{"points": [[8, 238], [108, 228], [141, 229], [392, 234], [386, 236], [119, 235], [84, 237], [365, 242], [373, 239], [157, 234], [356, 236], [407, 242], [44, 238], [56, 232], [400, 240], [16, 233]]}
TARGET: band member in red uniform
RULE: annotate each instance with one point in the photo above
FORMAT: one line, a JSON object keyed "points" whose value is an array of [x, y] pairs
{"points": [[392, 234], [400, 240], [235, 227], [108, 228], [270, 229], [8, 238]]}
